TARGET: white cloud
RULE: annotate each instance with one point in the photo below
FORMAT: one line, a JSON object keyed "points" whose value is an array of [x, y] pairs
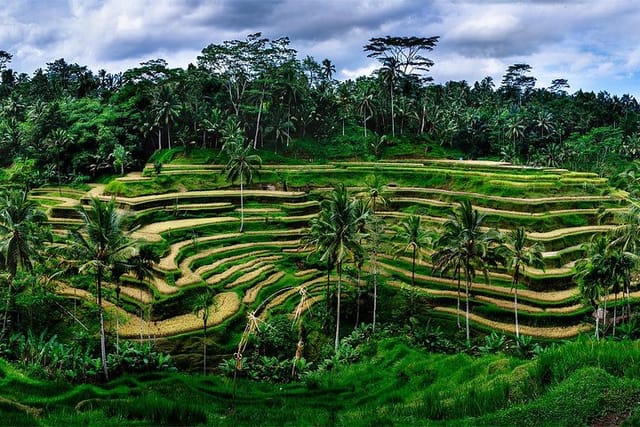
{"points": [[591, 43]]}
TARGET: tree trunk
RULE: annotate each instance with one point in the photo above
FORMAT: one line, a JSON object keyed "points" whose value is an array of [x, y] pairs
{"points": [[467, 284], [103, 340], [515, 306], [375, 288], [358, 296], [393, 121], [7, 309], [413, 268], [204, 348], [169, 135], [241, 205], [159, 138], [255, 138], [458, 302], [615, 313], [364, 125], [337, 339]]}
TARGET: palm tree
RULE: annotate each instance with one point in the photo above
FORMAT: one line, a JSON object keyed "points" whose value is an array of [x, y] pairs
{"points": [[389, 73], [101, 243], [544, 122], [366, 106], [165, 109], [412, 238], [241, 165], [341, 240], [57, 143], [515, 130], [202, 308], [375, 236], [141, 265], [328, 69], [317, 236], [465, 247], [591, 276], [626, 240], [376, 189], [519, 256], [362, 212], [21, 238]]}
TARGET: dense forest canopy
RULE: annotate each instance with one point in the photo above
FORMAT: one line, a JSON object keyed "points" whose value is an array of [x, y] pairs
{"points": [[66, 122]]}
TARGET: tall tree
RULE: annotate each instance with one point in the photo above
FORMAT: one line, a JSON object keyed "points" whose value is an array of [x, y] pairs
{"points": [[328, 69], [467, 247], [165, 108], [400, 57], [241, 166], [202, 308], [21, 238], [412, 238], [341, 241], [518, 256], [96, 247]]}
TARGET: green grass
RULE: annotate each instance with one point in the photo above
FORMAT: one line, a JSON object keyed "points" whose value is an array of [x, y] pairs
{"points": [[571, 385]]}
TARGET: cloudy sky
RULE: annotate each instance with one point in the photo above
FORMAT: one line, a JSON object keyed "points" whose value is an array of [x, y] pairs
{"points": [[595, 44]]}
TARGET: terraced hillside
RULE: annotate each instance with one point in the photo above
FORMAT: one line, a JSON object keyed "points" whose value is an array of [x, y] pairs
{"points": [[266, 268]]}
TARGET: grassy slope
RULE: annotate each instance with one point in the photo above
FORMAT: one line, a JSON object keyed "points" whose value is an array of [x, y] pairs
{"points": [[398, 385]]}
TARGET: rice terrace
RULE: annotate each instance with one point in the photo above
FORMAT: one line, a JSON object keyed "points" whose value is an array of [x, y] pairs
{"points": [[251, 241]]}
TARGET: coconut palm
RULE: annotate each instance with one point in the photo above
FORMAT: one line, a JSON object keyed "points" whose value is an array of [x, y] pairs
{"points": [[141, 265], [591, 276], [202, 308], [375, 236], [241, 166], [626, 240], [328, 69], [518, 256], [56, 143], [165, 109], [376, 190], [412, 238], [465, 247], [342, 240], [316, 238], [21, 238], [96, 247]]}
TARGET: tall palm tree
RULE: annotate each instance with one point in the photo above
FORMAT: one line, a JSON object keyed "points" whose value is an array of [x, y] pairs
{"points": [[376, 190], [626, 240], [342, 240], [96, 247], [316, 238], [412, 238], [375, 236], [141, 265], [241, 166], [21, 238], [592, 275], [56, 143], [465, 247], [518, 256], [389, 73], [328, 69], [365, 105], [362, 213], [202, 308], [165, 108]]}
